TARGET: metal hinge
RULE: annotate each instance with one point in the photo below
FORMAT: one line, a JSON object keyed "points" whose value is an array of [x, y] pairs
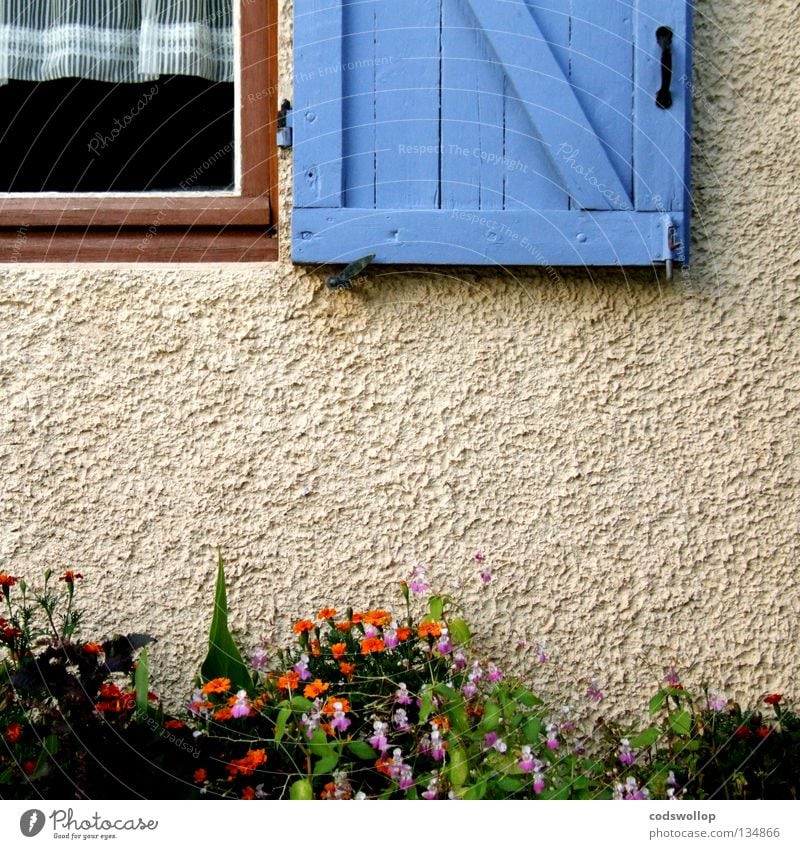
{"points": [[671, 244], [284, 135]]}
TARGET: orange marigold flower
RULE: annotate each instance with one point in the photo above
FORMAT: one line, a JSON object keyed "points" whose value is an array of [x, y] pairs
{"points": [[288, 681], [356, 618], [429, 629], [326, 613], [347, 668], [7, 580], [315, 688], [314, 646], [441, 722], [217, 685], [330, 707], [223, 714], [248, 764], [343, 626], [302, 626], [248, 793], [403, 633], [773, 698], [260, 701], [329, 791], [200, 775], [338, 650], [382, 765], [378, 618], [174, 723], [110, 691], [13, 732], [372, 644], [70, 576], [92, 648]]}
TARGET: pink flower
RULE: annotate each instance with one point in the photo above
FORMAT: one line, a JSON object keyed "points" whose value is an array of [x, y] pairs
{"points": [[339, 722], [390, 639], [379, 741], [493, 741], [527, 762], [479, 557], [538, 782], [459, 660], [626, 756], [541, 652], [716, 702], [671, 677], [494, 673], [402, 696], [433, 787], [552, 739], [444, 646], [259, 658], [593, 692], [301, 668], [437, 746], [241, 707], [486, 576], [400, 772], [401, 720], [630, 790], [469, 690], [418, 583]]}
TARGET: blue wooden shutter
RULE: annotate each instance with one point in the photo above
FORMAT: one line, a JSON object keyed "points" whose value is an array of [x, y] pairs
{"points": [[490, 131]]}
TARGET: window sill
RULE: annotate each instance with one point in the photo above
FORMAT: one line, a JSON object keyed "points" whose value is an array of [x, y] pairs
{"points": [[137, 245]]}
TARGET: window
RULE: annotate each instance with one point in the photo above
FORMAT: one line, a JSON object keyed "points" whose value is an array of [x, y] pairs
{"points": [[175, 163], [484, 132]]}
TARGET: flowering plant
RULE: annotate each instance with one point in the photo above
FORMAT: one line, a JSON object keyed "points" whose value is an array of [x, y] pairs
{"points": [[71, 711]]}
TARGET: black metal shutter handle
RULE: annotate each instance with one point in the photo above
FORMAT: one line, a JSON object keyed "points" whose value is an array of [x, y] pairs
{"points": [[664, 39]]}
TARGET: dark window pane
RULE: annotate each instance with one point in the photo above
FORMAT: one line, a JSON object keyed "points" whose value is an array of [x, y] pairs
{"points": [[176, 133]]}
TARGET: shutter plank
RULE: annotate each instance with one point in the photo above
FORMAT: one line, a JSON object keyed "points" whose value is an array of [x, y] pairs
{"points": [[661, 135], [549, 100], [473, 161], [475, 237], [360, 63], [318, 104], [601, 72], [531, 179], [407, 135]]}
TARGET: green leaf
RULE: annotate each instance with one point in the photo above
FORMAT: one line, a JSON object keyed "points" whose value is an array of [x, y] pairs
{"points": [[657, 702], [327, 764], [477, 791], [436, 607], [459, 631], [224, 659], [681, 722], [362, 750], [527, 698], [510, 785], [301, 790], [556, 793], [280, 723], [141, 683], [533, 731], [646, 738], [427, 705], [301, 703], [319, 745]]}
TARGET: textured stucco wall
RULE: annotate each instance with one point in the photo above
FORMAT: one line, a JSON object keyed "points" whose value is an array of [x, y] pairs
{"points": [[623, 449]]}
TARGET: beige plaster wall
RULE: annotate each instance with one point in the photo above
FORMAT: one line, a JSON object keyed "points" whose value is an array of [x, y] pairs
{"points": [[623, 449]]}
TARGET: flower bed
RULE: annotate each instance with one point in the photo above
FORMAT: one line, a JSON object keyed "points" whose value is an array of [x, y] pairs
{"points": [[368, 704]]}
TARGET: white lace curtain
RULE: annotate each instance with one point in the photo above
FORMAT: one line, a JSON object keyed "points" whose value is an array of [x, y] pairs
{"points": [[117, 41]]}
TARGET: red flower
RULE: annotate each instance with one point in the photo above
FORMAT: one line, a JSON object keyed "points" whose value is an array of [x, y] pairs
{"points": [[70, 576], [13, 732], [92, 648], [303, 626], [29, 767], [248, 793], [7, 580], [174, 723], [742, 732], [200, 775], [763, 731], [774, 698]]}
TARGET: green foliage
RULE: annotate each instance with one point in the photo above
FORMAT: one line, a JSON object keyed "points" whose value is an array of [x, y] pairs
{"points": [[224, 660]]}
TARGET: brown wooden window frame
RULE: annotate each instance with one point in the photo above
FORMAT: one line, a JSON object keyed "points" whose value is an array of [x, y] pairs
{"points": [[172, 227]]}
